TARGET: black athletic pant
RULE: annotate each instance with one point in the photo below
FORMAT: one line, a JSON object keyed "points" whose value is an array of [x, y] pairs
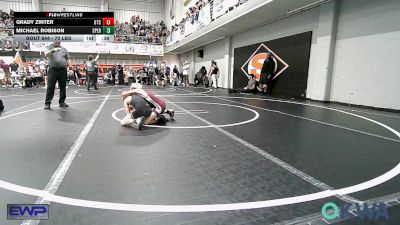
{"points": [[54, 75], [269, 82], [197, 81], [91, 80], [96, 77], [120, 79], [36, 80], [113, 79]]}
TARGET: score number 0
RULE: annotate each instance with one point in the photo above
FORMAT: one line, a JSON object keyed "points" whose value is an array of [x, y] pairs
{"points": [[108, 22]]}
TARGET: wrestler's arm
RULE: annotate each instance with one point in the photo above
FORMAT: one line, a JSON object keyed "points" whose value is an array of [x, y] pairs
{"points": [[140, 92], [126, 104]]}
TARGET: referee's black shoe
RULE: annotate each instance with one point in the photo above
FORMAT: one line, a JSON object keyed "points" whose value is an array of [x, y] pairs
{"points": [[47, 106], [63, 105]]}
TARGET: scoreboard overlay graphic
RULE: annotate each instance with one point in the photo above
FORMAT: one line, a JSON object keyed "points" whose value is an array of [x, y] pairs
{"points": [[64, 26]]}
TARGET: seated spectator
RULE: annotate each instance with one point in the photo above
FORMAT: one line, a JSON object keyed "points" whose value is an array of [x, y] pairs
{"points": [[131, 76], [37, 76], [198, 78], [250, 88]]}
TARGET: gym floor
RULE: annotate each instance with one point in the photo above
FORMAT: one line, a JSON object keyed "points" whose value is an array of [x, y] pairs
{"points": [[220, 149]]}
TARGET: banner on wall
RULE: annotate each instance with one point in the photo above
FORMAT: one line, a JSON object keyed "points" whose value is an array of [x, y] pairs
{"points": [[291, 56], [230, 3], [221, 6], [204, 16], [218, 9], [188, 28], [105, 48]]}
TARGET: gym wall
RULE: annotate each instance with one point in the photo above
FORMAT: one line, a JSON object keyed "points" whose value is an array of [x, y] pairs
{"points": [[366, 64]]}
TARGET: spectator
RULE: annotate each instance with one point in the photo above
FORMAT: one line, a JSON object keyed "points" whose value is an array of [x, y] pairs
{"points": [[113, 72], [267, 74], [142, 31], [120, 75], [198, 78], [14, 66], [131, 75], [213, 74], [250, 88], [90, 72], [185, 73], [37, 77], [175, 76], [77, 75], [6, 70]]}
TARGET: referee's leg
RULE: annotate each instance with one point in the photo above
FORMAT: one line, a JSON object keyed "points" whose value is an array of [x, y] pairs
{"points": [[62, 82], [89, 76], [51, 85]]}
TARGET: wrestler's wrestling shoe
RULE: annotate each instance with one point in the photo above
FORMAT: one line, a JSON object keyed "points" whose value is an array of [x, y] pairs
{"points": [[161, 120], [140, 122], [171, 113]]}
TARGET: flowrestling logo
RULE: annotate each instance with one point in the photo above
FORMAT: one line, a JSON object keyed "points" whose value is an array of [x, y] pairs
{"points": [[27, 211], [375, 211], [255, 62]]}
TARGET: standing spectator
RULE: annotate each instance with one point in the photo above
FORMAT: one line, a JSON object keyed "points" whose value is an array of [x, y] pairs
{"points": [[6, 70], [175, 75], [120, 75], [58, 59], [168, 73], [113, 72], [77, 74], [90, 71], [185, 73], [44, 68], [14, 66], [213, 74], [151, 73], [131, 75], [267, 74]]}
